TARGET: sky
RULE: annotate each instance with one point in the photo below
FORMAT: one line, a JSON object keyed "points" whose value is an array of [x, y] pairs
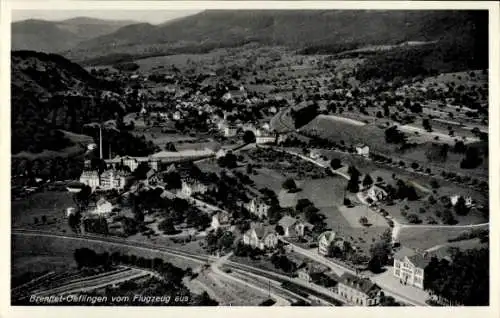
{"points": [[153, 17]]}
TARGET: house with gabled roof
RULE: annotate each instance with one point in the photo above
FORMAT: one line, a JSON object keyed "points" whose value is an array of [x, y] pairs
{"points": [[261, 237], [409, 266], [324, 242], [102, 207], [220, 219], [358, 291]]}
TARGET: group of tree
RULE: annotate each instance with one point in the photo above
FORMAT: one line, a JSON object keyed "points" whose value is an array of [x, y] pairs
{"points": [[311, 213], [380, 252], [304, 115], [463, 281], [96, 225], [472, 159], [228, 161], [437, 153], [281, 261], [394, 136], [219, 241], [289, 185]]}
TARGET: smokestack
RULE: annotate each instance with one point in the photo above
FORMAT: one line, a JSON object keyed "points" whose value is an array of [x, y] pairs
{"points": [[100, 142]]}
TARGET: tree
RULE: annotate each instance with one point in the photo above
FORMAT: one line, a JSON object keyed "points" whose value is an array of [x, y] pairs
{"points": [[335, 163], [380, 252], [426, 124], [367, 181], [167, 226], [434, 184], [459, 147], [388, 301], [172, 180], [413, 219], [363, 221], [460, 207], [289, 184], [44, 219], [73, 221], [170, 146], [248, 137]]}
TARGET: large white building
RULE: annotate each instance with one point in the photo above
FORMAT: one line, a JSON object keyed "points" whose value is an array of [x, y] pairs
{"points": [[113, 179], [90, 178], [409, 267]]}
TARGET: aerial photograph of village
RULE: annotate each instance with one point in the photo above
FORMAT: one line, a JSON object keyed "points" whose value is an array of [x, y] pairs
{"points": [[250, 158]]}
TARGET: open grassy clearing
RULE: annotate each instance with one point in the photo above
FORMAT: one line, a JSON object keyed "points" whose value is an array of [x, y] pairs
{"points": [[465, 245], [352, 215], [51, 204], [424, 238], [23, 262], [178, 60], [338, 131]]}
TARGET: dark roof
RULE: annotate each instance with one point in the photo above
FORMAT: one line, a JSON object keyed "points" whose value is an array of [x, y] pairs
{"points": [[287, 221], [404, 252], [362, 284], [419, 260]]}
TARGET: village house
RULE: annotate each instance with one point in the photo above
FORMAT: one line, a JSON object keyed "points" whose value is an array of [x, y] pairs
{"points": [[261, 237], [359, 291], [90, 178], [324, 242], [102, 207], [220, 219], [294, 227], [260, 140], [220, 153], [314, 154], [70, 211], [230, 131], [130, 162], [258, 207], [192, 186], [376, 193], [362, 150], [152, 178], [287, 224], [177, 115], [454, 200]]}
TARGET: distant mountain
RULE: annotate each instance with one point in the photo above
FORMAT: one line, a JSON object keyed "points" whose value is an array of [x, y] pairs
{"points": [[296, 29], [49, 94], [57, 36]]}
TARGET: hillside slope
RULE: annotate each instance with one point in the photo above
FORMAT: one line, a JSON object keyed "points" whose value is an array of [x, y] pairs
{"points": [[57, 36], [296, 29], [50, 93]]}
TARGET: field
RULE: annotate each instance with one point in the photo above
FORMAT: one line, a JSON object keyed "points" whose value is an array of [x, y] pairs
{"points": [[51, 204], [325, 192], [158, 63], [425, 238], [349, 131]]}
